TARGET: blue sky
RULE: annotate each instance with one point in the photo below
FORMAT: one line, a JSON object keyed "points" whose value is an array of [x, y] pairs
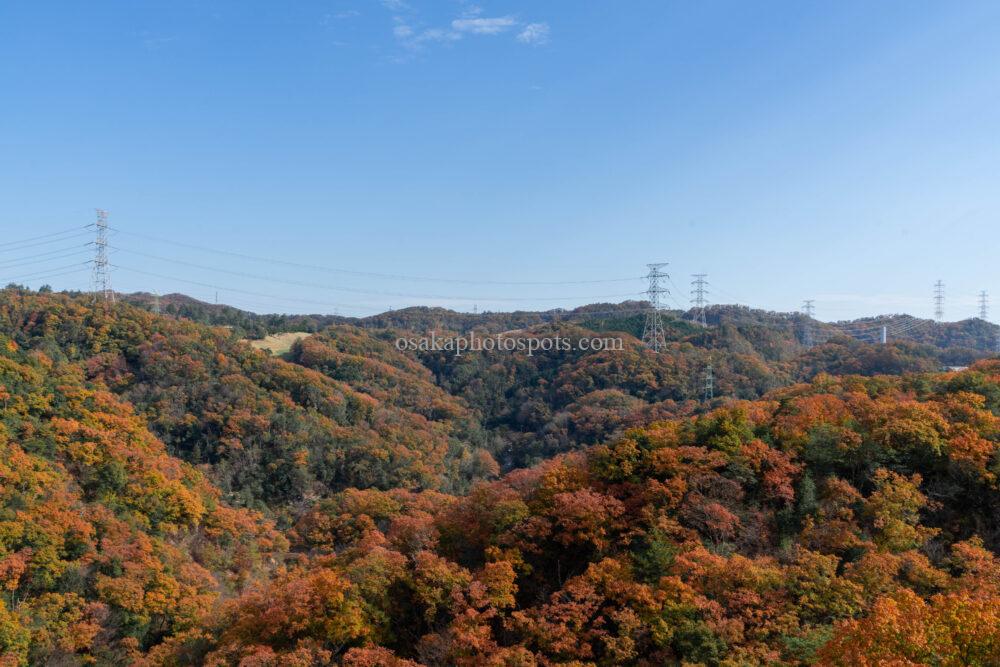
{"points": [[842, 152]]}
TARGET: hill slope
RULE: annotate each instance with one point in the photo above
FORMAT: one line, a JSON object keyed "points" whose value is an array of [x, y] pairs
{"points": [[273, 432], [108, 546], [845, 522], [532, 407]]}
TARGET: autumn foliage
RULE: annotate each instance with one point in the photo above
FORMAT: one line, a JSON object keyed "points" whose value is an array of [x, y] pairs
{"points": [[840, 523], [169, 497], [108, 546]]}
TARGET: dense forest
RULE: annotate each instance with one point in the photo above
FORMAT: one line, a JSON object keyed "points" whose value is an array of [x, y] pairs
{"points": [[171, 496], [273, 432]]}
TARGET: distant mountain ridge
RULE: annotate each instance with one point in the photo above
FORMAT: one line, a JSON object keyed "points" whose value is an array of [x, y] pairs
{"points": [[969, 335]]}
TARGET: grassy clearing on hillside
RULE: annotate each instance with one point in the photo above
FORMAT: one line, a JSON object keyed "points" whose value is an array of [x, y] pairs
{"points": [[278, 344]]}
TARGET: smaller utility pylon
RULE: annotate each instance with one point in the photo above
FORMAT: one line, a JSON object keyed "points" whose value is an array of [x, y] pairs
{"points": [[709, 383], [699, 289], [156, 303], [984, 305], [807, 333], [939, 300]]}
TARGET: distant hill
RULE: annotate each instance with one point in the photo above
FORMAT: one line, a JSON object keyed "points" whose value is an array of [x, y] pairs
{"points": [[534, 407], [421, 318], [965, 340], [524, 410], [244, 322]]}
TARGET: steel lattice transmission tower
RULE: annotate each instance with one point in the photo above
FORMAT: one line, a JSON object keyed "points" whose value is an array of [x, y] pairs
{"points": [[939, 300], [809, 309], [984, 305], [698, 292], [709, 383], [100, 278], [652, 333]]}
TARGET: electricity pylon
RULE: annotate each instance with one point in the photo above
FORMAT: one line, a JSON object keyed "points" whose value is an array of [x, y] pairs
{"points": [[100, 277], [698, 292], [652, 332], [807, 335], [939, 300]]}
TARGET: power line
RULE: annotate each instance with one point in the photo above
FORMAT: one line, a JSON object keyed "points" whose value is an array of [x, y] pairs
{"points": [[877, 329], [25, 246], [670, 295], [736, 299], [372, 274], [898, 326], [77, 230], [43, 258], [859, 329], [47, 273], [236, 290], [301, 283]]}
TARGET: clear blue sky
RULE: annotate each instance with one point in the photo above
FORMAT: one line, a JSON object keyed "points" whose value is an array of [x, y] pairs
{"points": [[846, 152]]}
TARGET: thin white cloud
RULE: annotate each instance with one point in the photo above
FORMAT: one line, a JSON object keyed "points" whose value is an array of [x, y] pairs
{"points": [[534, 33], [413, 35], [414, 40], [484, 26], [437, 35]]}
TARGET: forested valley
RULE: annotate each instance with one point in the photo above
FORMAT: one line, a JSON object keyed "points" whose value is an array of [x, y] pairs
{"points": [[170, 495]]}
